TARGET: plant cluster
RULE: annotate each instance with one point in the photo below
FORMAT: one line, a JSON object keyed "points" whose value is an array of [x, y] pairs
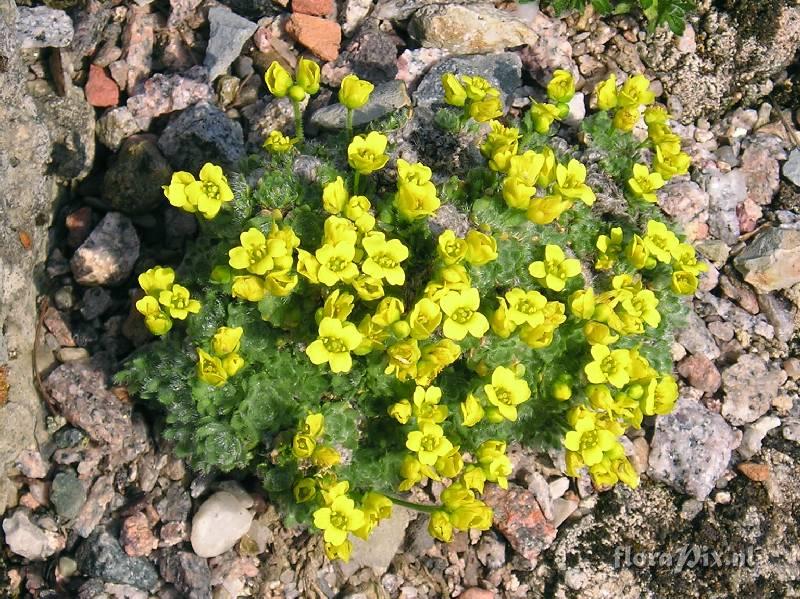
{"points": [[672, 13], [337, 343]]}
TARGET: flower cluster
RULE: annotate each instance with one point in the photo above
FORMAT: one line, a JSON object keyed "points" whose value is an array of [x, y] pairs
{"points": [[224, 360], [164, 301], [479, 100], [205, 195]]}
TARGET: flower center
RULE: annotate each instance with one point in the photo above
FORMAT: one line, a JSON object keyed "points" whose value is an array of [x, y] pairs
{"points": [[257, 254], [211, 190], [334, 345], [462, 315], [588, 439], [385, 261], [339, 520], [429, 443], [503, 396], [337, 264]]}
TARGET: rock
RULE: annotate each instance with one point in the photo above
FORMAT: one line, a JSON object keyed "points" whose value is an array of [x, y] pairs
{"points": [[755, 472], [176, 504], [188, 572], [749, 388], [95, 301], [476, 593], [691, 448], [762, 173], [162, 94], [200, 134], [173, 533], [102, 557], [563, 509], [132, 184], [791, 168], [108, 255], [780, 314], [551, 49], [265, 116], [701, 373], [100, 89], [771, 259], [138, 41], [43, 27], [686, 202], [725, 192], [72, 354], [413, 64], [697, 339], [25, 538], [228, 34], [385, 99], [468, 29], [754, 434], [67, 494], [32, 465], [115, 126], [218, 524], [137, 536], [355, 11], [714, 250], [55, 322], [371, 54], [319, 8], [791, 430], [383, 544], [519, 518], [321, 36], [80, 393], [79, 226], [503, 71]]}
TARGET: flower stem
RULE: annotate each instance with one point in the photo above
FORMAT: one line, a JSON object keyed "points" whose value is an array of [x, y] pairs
{"points": [[428, 509], [298, 120], [349, 124], [356, 181]]}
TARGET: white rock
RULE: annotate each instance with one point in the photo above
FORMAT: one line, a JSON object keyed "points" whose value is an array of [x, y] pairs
{"points": [[24, 538], [219, 523], [384, 542], [562, 509], [754, 434]]}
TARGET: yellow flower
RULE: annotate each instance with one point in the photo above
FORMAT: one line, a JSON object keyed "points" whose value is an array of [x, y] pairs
{"points": [[313, 425], [481, 248], [684, 282], [638, 255], [598, 333], [334, 196], [494, 462], [454, 92], [461, 309], [277, 142], [331, 489], [571, 182], [517, 193], [403, 358], [500, 321], [451, 249], [525, 307], [256, 253], [307, 76], [426, 405], [156, 321], [542, 116], [644, 183], [471, 411], [500, 146], [416, 194], [177, 302], [506, 392], [609, 247], [304, 490], [367, 154], [389, 311], [555, 269], [175, 192], [368, 288], [338, 229], [660, 241], [376, 507], [669, 165], [636, 92], [400, 411], [413, 471], [545, 210], [609, 366], [249, 288], [434, 358], [429, 443], [336, 340], [662, 396], [487, 109], [581, 303], [685, 258], [465, 510], [625, 118], [561, 389], [210, 192], [354, 92], [450, 465], [589, 441], [477, 88], [357, 207], [473, 478], [337, 305], [226, 340], [656, 115], [606, 93], [158, 279], [336, 263], [561, 87], [384, 258], [337, 520], [325, 457], [303, 446], [278, 80], [425, 316], [210, 369], [439, 526], [280, 283], [232, 363]]}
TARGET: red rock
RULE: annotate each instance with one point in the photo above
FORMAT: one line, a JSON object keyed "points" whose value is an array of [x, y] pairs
{"points": [[57, 325], [519, 518], [476, 593], [321, 36], [320, 8], [701, 373], [79, 225], [136, 537], [755, 472]]}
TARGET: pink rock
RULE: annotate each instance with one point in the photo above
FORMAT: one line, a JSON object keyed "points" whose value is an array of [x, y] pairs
{"points": [[762, 172], [136, 537], [749, 214], [321, 36], [319, 8], [166, 93], [476, 593], [55, 323], [31, 464], [138, 41], [700, 372]]}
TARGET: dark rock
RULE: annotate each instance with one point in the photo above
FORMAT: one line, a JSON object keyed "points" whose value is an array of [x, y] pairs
{"points": [[200, 134], [132, 184], [67, 494], [176, 505], [101, 556], [188, 572], [372, 55], [79, 225], [95, 301]]}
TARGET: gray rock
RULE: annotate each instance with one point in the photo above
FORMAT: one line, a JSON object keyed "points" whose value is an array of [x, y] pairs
{"points": [[219, 523], [43, 27], [67, 494], [95, 301], [780, 314], [468, 29], [101, 556], [504, 71], [754, 435], [188, 572], [116, 125], [162, 94], [200, 134], [749, 386], [355, 11], [228, 34], [132, 184], [107, 257], [385, 99], [697, 339], [791, 168], [25, 538], [771, 260], [725, 192], [714, 250], [175, 505], [691, 448], [381, 547]]}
